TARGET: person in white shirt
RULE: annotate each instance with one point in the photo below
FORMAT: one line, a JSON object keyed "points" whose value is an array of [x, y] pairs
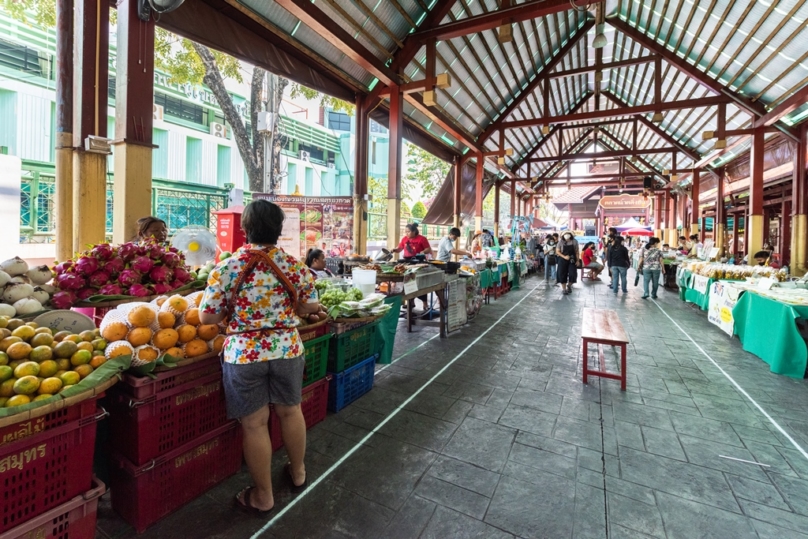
{"points": [[446, 246]]}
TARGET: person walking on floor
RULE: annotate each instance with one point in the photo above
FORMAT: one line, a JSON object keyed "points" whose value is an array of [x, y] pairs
{"points": [[619, 263], [651, 266], [259, 292], [550, 258], [568, 254]]}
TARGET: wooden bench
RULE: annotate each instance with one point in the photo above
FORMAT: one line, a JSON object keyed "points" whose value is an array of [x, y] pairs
{"points": [[602, 326]]}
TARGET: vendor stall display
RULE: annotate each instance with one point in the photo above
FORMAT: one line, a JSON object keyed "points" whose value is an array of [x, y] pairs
{"points": [[695, 278], [24, 291]]}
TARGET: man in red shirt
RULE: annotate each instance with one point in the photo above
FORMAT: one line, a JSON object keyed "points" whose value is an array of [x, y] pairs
{"points": [[413, 243]]}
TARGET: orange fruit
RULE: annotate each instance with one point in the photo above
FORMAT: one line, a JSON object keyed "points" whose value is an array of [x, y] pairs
{"points": [[29, 368], [85, 345], [8, 341], [6, 373], [218, 343], [48, 368], [65, 349], [175, 352], [166, 320], [187, 333], [141, 316], [42, 339], [178, 303], [198, 299], [19, 350], [43, 397], [25, 333], [27, 385], [83, 370], [44, 331], [49, 386], [159, 301], [81, 357], [207, 331], [63, 364], [115, 331], [73, 338], [87, 335], [70, 378], [165, 338], [7, 388], [97, 361], [147, 353], [60, 336], [41, 353], [3, 358], [139, 336], [196, 347], [192, 317], [17, 400], [99, 344], [120, 351]]}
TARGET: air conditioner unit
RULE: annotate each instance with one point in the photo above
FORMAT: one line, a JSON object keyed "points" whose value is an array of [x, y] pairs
{"points": [[331, 165], [157, 112], [304, 155], [218, 130]]}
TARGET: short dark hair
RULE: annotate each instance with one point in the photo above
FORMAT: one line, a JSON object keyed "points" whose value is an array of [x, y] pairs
{"points": [[618, 241], [761, 254], [312, 255], [454, 231], [262, 222], [653, 241], [682, 238], [665, 245], [412, 227], [694, 236]]}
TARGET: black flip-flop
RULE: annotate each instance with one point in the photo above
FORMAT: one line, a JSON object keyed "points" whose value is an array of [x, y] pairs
{"points": [[247, 506], [295, 488]]}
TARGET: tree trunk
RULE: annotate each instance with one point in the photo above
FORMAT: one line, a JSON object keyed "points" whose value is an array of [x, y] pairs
{"points": [[213, 79], [277, 142], [256, 106]]}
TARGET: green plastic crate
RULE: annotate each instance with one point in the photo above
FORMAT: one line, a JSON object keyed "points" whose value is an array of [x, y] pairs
{"points": [[316, 358], [352, 347]]}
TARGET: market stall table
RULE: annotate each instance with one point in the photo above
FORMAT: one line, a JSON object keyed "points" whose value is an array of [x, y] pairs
{"points": [[440, 292]]}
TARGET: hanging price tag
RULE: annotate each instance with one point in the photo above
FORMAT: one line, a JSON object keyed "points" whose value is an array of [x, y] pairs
{"points": [[410, 287]]}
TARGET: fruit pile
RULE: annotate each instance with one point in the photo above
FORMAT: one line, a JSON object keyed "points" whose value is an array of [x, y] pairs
{"points": [[36, 363], [168, 328], [130, 269], [23, 290]]}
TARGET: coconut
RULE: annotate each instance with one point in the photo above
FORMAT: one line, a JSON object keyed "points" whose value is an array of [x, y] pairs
{"points": [[41, 295], [7, 310], [17, 291], [14, 266], [40, 274], [50, 289], [20, 279], [5, 278], [27, 306]]}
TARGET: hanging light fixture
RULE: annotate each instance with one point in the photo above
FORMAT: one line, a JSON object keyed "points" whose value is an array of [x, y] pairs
{"points": [[600, 38]]}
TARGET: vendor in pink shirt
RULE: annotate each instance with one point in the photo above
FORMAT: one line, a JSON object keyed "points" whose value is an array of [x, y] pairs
{"points": [[413, 243]]}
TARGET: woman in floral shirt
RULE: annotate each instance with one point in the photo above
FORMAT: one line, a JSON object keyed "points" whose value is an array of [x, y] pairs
{"points": [[263, 354]]}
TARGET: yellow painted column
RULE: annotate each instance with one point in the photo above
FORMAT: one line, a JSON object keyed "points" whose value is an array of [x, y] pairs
{"points": [[799, 238], [756, 234], [63, 211], [360, 225], [719, 232], [694, 228], [132, 189], [89, 198], [393, 222]]}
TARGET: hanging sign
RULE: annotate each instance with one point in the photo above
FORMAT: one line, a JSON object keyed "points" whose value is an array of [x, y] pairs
{"points": [[315, 223], [457, 314], [700, 283], [723, 297], [624, 202]]}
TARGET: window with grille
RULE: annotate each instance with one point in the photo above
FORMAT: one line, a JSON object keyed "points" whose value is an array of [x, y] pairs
{"points": [[377, 127], [178, 108], [26, 59], [339, 121]]}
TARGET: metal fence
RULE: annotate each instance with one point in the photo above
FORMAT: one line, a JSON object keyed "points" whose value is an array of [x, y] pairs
{"points": [[178, 207]]}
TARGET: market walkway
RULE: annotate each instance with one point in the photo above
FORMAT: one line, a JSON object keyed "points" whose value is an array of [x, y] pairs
{"points": [[507, 442]]}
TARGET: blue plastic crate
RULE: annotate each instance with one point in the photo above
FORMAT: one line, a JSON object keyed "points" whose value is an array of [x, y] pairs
{"points": [[347, 386]]}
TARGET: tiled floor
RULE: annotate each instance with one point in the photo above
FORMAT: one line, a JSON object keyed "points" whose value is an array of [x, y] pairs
{"points": [[507, 442]]}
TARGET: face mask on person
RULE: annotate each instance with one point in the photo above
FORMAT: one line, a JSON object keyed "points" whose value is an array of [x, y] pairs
{"points": [[567, 237]]}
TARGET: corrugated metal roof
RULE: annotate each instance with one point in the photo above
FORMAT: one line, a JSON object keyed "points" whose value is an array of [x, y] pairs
{"points": [[576, 195]]}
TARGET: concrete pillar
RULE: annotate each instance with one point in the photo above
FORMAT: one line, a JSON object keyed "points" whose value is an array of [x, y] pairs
{"points": [[90, 84], [695, 214], [670, 219], [497, 188], [657, 202], [394, 167], [63, 214], [720, 223], [133, 121], [456, 197], [360, 188], [799, 208], [478, 192], [755, 226]]}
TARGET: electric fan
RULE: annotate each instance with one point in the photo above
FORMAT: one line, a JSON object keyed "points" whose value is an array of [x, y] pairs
{"points": [[197, 243]]}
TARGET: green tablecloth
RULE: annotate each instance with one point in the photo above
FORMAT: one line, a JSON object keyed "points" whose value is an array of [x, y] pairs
{"points": [[511, 271], [692, 295], [767, 329], [486, 278]]}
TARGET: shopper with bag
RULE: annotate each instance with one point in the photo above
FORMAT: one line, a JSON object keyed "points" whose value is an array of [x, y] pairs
{"points": [[550, 257], [618, 264], [651, 266], [258, 292], [568, 254]]}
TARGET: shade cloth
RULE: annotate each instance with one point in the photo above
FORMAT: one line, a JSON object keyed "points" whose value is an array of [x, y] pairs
{"points": [[767, 329]]}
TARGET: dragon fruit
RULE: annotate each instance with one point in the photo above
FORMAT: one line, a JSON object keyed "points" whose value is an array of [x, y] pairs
{"points": [[143, 264], [63, 267], [87, 265], [173, 249], [70, 281], [99, 278], [127, 251], [161, 274], [139, 290], [114, 266], [172, 260], [163, 288], [103, 251], [182, 275], [111, 290], [63, 299], [128, 277], [85, 293]]}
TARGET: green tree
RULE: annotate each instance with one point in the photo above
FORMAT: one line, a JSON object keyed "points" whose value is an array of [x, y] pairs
{"points": [[419, 210], [425, 170]]}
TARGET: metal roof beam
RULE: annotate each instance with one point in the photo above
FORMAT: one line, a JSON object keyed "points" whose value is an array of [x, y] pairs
{"points": [[603, 67], [533, 84], [487, 21], [786, 107], [754, 108], [600, 155], [624, 111], [313, 17]]}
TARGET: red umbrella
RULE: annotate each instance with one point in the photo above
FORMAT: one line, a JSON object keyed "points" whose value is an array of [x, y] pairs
{"points": [[637, 232]]}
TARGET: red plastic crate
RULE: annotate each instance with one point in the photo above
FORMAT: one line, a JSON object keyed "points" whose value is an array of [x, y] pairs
{"points": [[145, 386], [74, 519], [314, 402], [85, 409], [307, 334], [142, 495], [143, 429], [39, 472]]}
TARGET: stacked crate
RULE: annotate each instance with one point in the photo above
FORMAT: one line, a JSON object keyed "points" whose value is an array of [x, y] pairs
{"points": [[171, 440], [351, 362]]}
